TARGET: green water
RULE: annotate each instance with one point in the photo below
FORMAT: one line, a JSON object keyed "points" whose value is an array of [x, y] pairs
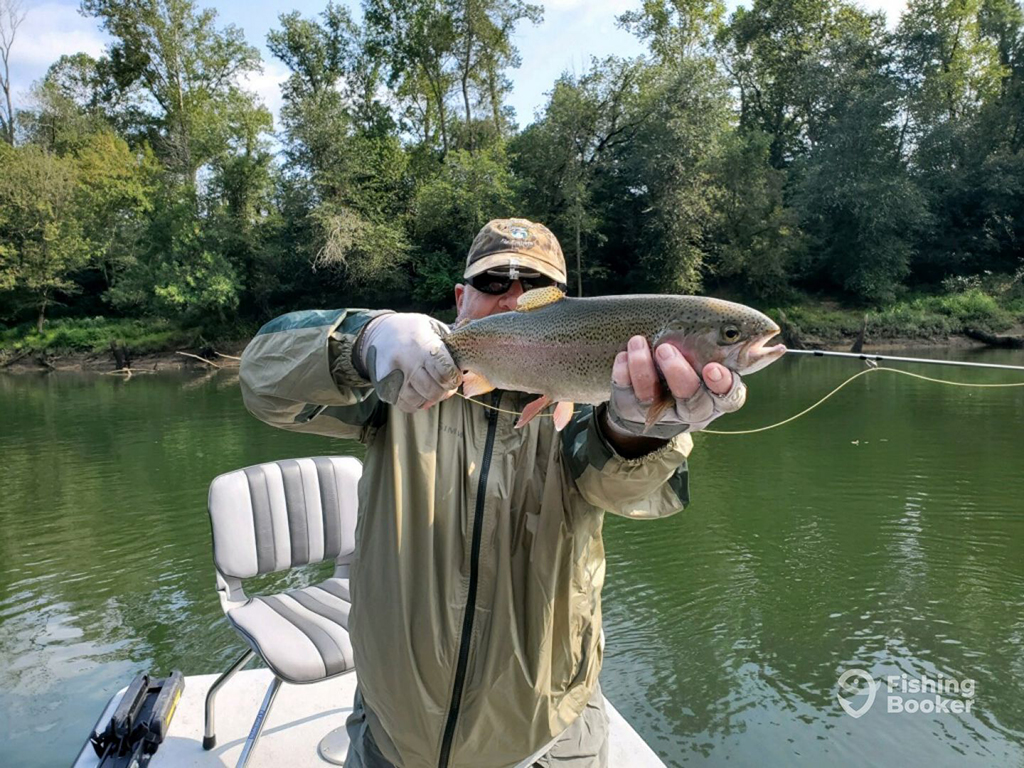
{"points": [[885, 531]]}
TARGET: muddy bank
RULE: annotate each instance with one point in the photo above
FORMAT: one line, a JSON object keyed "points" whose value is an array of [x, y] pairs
{"points": [[225, 357]]}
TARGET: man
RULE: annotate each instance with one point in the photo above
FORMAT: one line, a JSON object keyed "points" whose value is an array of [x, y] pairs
{"points": [[476, 585]]}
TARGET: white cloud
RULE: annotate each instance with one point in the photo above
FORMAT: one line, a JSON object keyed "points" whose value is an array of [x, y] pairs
{"points": [[267, 85], [51, 30]]}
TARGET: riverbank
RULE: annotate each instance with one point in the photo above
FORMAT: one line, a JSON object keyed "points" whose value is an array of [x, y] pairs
{"points": [[106, 345], [110, 345]]}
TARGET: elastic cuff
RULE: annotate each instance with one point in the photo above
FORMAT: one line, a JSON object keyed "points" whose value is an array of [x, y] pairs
{"points": [[343, 344]]}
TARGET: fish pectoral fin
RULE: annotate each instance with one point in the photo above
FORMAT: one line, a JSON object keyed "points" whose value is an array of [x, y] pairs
{"points": [[531, 410], [563, 413], [539, 297], [657, 410], [475, 384]]}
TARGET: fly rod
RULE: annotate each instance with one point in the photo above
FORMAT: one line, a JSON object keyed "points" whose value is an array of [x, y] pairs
{"points": [[895, 359]]}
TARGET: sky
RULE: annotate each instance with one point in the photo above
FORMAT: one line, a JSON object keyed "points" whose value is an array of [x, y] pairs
{"points": [[573, 31]]}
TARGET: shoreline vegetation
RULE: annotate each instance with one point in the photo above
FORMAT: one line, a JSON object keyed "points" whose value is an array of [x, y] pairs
{"points": [[967, 319], [851, 175]]}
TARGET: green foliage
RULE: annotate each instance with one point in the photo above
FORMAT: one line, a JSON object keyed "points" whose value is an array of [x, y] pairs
{"points": [[798, 148], [758, 240], [42, 244], [448, 211], [914, 317], [171, 51], [94, 334]]}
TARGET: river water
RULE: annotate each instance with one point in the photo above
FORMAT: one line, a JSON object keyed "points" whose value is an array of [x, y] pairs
{"points": [[882, 532]]}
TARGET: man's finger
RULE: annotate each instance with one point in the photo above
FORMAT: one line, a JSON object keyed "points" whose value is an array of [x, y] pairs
{"points": [[442, 368], [620, 370], [734, 398], [718, 378], [682, 380], [641, 370], [424, 384]]}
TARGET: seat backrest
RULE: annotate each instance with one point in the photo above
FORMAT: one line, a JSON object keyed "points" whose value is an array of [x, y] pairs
{"points": [[282, 514]]}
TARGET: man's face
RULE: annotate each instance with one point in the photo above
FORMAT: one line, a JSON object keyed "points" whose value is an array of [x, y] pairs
{"points": [[472, 304]]}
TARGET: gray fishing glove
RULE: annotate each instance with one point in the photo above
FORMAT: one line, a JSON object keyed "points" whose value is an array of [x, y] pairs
{"points": [[627, 415], [405, 359]]}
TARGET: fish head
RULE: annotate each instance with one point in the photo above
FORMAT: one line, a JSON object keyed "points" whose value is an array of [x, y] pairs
{"points": [[735, 335]]}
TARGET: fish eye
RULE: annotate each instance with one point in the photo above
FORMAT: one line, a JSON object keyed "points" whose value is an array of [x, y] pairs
{"points": [[730, 333]]}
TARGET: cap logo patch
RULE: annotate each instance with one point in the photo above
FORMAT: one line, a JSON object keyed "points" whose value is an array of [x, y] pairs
{"points": [[519, 233]]}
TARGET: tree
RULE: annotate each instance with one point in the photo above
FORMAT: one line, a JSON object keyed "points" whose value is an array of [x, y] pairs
{"points": [[41, 242], [115, 190], [667, 181], [757, 241], [435, 48], [65, 112], [449, 210], [484, 50], [857, 200], [956, 87], [176, 55], [342, 145], [416, 39], [563, 155], [676, 28], [767, 51], [11, 17]]}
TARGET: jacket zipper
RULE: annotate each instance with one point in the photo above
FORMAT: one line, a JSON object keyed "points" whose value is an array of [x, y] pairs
{"points": [[474, 575]]}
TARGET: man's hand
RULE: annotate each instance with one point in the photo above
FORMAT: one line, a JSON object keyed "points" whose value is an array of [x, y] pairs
{"points": [[405, 359], [636, 388]]}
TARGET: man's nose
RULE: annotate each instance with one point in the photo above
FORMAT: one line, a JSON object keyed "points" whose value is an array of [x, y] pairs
{"points": [[511, 296]]}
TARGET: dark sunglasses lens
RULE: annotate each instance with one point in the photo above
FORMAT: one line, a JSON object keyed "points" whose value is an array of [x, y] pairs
{"points": [[529, 283], [494, 285], [491, 284]]}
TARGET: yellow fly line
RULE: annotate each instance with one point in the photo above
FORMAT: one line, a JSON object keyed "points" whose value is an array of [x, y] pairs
{"points": [[807, 410]]}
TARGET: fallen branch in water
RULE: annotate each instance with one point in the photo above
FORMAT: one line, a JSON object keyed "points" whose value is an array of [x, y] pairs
{"points": [[1002, 342], [229, 357], [126, 372], [197, 357], [14, 358]]}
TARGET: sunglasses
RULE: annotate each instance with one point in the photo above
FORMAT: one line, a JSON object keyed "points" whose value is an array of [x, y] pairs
{"points": [[497, 284]]}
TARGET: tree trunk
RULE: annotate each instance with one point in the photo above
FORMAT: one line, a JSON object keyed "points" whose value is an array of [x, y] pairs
{"points": [[492, 88], [1001, 342], [469, 116], [443, 120], [579, 258], [42, 316], [467, 66]]}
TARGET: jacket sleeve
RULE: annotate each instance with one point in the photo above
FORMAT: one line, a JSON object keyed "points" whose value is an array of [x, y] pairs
{"points": [[651, 486], [297, 374]]}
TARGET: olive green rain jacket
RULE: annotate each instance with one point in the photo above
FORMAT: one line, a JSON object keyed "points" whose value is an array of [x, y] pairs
{"points": [[476, 584]]}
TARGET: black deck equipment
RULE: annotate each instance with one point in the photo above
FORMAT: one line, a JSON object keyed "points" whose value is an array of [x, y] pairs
{"points": [[140, 722]]}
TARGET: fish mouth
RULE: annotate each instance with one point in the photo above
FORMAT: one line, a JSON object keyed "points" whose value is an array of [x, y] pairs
{"points": [[759, 356]]}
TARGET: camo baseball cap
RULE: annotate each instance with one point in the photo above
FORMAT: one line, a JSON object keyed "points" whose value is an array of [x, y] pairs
{"points": [[516, 244]]}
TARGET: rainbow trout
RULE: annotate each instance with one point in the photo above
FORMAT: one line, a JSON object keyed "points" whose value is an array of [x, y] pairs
{"points": [[563, 349]]}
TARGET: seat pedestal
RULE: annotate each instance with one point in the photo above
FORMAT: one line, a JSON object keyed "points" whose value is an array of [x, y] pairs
{"points": [[334, 746]]}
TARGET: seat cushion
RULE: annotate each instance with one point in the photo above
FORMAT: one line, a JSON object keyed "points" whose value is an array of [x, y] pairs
{"points": [[300, 634]]}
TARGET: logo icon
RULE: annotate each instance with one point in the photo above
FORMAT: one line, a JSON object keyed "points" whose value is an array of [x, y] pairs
{"points": [[519, 233], [853, 689]]}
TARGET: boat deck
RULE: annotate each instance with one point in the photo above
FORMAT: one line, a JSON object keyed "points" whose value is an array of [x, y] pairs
{"points": [[300, 717]]}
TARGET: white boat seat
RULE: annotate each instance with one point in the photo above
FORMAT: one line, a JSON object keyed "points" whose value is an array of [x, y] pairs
{"points": [[300, 634], [275, 517]]}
